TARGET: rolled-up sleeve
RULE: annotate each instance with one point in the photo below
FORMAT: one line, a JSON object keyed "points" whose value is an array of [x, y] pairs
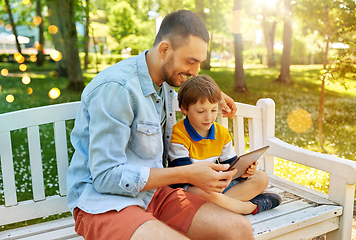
{"points": [[110, 118]]}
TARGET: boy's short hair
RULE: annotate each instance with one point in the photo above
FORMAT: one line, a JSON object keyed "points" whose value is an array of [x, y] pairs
{"points": [[177, 26], [199, 88]]}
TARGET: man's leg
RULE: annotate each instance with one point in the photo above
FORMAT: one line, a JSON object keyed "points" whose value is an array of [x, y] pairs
{"points": [[214, 222], [155, 230]]}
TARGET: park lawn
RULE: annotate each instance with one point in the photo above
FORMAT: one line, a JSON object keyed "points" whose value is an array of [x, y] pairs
{"points": [[339, 117]]}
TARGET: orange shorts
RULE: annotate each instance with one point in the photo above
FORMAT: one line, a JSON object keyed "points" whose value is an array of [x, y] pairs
{"points": [[174, 207]]}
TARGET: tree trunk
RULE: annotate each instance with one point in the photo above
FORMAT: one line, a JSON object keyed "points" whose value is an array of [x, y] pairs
{"points": [[284, 76], [199, 9], [240, 82], [322, 91], [75, 77], [86, 35], [54, 18], [13, 26], [40, 56]]}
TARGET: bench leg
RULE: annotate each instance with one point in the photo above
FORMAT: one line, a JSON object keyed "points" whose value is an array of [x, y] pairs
{"points": [[343, 194]]}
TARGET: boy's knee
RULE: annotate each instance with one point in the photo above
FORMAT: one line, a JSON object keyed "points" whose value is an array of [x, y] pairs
{"points": [[262, 178]]}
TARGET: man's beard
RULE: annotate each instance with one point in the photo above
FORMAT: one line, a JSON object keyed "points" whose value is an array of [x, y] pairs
{"points": [[167, 74]]}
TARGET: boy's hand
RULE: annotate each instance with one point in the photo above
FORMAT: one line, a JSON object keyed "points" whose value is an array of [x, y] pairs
{"points": [[209, 177], [251, 170]]}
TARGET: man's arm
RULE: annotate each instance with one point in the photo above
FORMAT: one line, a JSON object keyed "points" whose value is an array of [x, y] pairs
{"points": [[207, 176]]}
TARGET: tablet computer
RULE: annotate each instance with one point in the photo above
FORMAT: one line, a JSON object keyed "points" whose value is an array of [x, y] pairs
{"points": [[242, 162]]}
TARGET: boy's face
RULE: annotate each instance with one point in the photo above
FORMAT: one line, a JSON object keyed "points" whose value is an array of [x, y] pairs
{"points": [[201, 116]]}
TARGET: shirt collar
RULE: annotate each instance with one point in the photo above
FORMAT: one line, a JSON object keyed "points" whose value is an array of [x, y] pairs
{"points": [[195, 135], [144, 76]]}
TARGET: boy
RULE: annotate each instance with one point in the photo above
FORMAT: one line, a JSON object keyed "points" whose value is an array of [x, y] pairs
{"points": [[198, 137]]}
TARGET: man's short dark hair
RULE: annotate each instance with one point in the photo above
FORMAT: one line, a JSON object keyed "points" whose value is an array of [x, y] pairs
{"points": [[178, 26]]}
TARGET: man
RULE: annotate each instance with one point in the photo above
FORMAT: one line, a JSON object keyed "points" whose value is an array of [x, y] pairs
{"points": [[117, 186]]}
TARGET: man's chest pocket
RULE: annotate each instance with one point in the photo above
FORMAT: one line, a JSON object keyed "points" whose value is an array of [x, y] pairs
{"points": [[146, 140]]}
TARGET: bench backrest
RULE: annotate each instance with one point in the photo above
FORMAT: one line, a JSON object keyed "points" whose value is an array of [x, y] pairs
{"points": [[41, 204]]}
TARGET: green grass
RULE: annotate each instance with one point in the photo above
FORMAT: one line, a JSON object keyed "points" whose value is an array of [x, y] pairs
{"points": [[339, 117]]}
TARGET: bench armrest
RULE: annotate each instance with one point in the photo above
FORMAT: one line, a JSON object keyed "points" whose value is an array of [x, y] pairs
{"points": [[328, 163]]}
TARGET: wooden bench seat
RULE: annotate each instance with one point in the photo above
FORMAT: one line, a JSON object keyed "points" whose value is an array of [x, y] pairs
{"points": [[304, 213]]}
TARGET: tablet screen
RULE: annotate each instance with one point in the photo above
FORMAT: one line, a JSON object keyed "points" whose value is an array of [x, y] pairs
{"points": [[242, 162]]}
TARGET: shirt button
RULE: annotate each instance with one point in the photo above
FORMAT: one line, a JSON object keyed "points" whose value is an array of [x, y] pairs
{"points": [[127, 185], [148, 130], [157, 101]]}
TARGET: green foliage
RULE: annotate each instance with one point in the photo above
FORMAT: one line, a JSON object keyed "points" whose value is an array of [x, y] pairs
{"points": [[122, 20]]}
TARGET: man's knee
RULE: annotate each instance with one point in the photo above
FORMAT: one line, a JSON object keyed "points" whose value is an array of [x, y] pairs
{"points": [[242, 228]]}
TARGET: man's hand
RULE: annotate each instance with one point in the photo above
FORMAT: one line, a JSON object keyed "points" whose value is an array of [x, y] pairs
{"points": [[208, 176], [251, 170], [227, 105]]}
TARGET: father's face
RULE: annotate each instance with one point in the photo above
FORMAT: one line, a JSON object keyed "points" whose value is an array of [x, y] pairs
{"points": [[184, 61]]}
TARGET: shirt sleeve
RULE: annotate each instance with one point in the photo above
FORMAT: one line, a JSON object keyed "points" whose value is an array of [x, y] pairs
{"points": [[109, 107], [178, 153]]}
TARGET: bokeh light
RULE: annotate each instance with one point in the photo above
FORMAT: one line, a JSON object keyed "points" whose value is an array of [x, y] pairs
{"points": [[8, 27], [299, 120], [238, 22], [10, 98], [33, 58], [4, 72], [56, 55], [52, 29], [23, 67], [19, 58], [26, 2], [2, 23], [0, 88], [53, 74], [26, 80], [54, 93], [29, 90], [37, 20]]}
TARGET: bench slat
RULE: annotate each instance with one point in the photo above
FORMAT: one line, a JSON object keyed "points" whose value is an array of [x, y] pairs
{"points": [[302, 191], [27, 210], [30, 117], [56, 229], [283, 209], [7, 169], [239, 135], [295, 221], [62, 155], [34, 148]]}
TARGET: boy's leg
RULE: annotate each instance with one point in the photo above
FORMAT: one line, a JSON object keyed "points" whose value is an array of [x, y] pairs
{"points": [[250, 188], [233, 204], [214, 222]]}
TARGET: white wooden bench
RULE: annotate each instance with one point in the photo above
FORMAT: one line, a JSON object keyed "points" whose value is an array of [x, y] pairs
{"points": [[304, 213]]}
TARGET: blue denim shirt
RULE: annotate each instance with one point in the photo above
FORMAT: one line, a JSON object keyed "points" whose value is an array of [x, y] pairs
{"points": [[117, 139]]}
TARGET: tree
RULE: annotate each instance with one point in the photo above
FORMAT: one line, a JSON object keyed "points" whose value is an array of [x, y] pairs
{"points": [[240, 83], [54, 18], [122, 20], [333, 20], [86, 34], [64, 16], [13, 26], [269, 24], [284, 76], [40, 56]]}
